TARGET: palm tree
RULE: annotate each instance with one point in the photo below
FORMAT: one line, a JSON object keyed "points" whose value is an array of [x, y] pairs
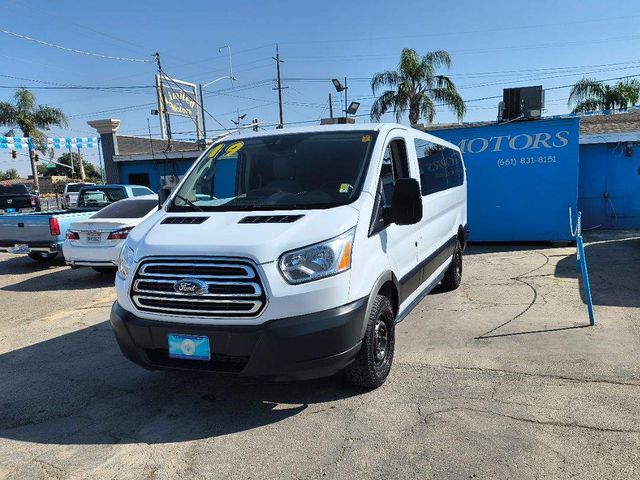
{"points": [[30, 118], [589, 95], [416, 87]]}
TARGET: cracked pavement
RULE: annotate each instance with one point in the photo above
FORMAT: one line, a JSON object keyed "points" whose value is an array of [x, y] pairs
{"points": [[499, 379]]}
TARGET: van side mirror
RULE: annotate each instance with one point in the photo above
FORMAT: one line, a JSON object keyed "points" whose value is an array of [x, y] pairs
{"points": [[163, 194], [406, 204]]}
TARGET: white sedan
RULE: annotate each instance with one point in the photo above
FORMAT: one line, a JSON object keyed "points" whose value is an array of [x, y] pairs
{"points": [[97, 241]]}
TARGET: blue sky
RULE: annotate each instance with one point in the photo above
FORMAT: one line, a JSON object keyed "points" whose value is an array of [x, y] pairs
{"points": [[493, 45]]}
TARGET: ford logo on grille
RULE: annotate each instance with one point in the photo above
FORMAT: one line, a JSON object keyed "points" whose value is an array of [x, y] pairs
{"points": [[191, 286]]}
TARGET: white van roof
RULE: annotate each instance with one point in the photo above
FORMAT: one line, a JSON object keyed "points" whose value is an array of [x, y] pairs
{"points": [[383, 128]]}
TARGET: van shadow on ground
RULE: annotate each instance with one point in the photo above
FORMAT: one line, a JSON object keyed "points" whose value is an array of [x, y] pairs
{"points": [[614, 271], [22, 264], [58, 277], [78, 389]]}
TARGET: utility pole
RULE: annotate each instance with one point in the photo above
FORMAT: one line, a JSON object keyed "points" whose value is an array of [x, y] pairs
{"points": [[73, 170], [202, 112], [163, 102], [330, 106], [34, 167], [279, 88], [82, 175]]}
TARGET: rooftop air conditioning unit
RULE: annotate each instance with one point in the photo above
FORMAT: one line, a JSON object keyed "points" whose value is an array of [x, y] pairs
{"points": [[523, 103]]}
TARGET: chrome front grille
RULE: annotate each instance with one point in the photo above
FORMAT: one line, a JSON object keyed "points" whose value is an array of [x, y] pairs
{"points": [[233, 288]]}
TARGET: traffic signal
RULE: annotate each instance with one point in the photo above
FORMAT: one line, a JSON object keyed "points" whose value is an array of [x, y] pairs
{"points": [[14, 154], [36, 157], [254, 122]]}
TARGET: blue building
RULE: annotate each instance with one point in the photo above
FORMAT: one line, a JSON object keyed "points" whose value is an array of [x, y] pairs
{"points": [[609, 184], [597, 172], [143, 161]]}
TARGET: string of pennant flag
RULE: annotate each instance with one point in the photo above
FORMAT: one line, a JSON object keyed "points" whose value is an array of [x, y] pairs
{"points": [[18, 143]]}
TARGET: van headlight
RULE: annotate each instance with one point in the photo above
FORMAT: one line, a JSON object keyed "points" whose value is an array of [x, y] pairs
{"points": [[126, 261], [319, 260]]}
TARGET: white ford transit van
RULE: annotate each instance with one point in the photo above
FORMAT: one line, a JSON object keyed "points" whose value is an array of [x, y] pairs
{"points": [[292, 254]]}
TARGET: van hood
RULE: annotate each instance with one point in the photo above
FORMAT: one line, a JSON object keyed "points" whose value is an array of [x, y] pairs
{"points": [[222, 233]]}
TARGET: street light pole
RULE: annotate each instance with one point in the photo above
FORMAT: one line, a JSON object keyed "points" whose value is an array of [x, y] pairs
{"points": [[202, 110], [201, 87], [204, 122], [228, 47], [346, 90]]}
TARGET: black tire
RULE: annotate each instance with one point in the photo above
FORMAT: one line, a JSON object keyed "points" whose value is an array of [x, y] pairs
{"points": [[105, 270], [373, 362], [453, 275], [43, 257]]}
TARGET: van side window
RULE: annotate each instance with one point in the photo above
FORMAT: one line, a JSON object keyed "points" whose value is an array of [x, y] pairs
{"points": [[394, 165], [440, 167]]}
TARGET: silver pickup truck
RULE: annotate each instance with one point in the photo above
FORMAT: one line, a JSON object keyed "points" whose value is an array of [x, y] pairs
{"points": [[41, 235]]}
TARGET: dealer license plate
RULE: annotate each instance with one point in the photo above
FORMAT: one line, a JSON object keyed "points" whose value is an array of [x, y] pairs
{"points": [[189, 347], [93, 237], [20, 248]]}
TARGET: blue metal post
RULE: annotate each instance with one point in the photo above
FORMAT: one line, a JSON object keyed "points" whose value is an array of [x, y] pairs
{"points": [[585, 279]]}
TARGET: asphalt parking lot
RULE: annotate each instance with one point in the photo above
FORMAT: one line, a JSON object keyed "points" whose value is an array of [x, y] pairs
{"points": [[499, 379]]}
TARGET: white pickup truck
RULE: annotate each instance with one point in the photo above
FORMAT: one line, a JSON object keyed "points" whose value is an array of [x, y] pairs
{"points": [[293, 254], [70, 194]]}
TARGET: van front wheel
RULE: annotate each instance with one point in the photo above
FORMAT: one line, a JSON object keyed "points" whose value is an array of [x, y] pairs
{"points": [[453, 275], [373, 362]]}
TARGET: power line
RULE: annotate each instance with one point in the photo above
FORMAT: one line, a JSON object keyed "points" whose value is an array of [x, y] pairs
{"points": [[77, 87], [450, 32], [73, 50], [480, 74]]}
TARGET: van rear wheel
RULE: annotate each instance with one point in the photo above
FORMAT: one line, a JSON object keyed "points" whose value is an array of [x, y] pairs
{"points": [[453, 275], [373, 362]]}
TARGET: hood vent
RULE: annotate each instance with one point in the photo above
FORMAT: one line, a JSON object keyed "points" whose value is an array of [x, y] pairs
{"points": [[184, 220], [271, 219]]}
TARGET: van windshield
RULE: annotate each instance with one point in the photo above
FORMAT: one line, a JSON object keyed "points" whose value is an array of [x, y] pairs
{"points": [[278, 172]]}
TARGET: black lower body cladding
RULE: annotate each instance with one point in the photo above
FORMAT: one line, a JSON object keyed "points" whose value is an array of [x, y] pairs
{"points": [[295, 348]]}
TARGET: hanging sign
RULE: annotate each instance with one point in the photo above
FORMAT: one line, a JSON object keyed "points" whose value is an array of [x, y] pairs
{"points": [[179, 97]]}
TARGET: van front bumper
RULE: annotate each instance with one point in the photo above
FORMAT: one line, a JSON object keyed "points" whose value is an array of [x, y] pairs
{"points": [[295, 348]]}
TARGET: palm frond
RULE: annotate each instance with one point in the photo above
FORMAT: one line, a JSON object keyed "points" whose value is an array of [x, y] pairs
{"points": [[25, 100], [387, 78], [47, 116], [383, 104], [586, 89], [588, 105], [410, 66], [8, 114], [438, 58], [427, 109], [450, 98]]}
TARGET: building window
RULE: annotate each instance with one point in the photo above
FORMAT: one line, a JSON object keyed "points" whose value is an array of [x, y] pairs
{"points": [[139, 179]]}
